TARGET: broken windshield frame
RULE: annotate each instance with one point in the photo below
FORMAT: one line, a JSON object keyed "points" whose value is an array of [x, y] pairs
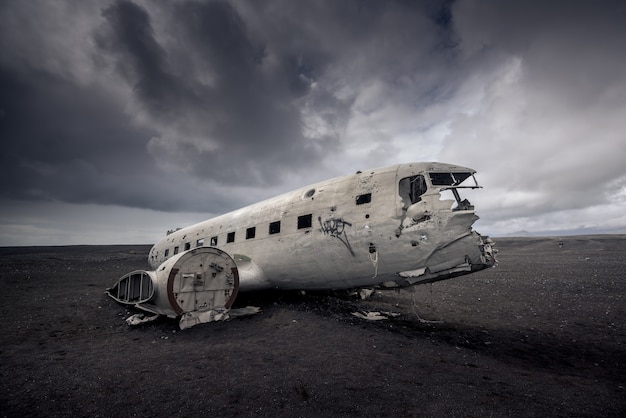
{"points": [[452, 181]]}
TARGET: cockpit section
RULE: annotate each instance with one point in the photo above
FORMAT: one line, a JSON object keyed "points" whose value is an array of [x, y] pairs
{"points": [[436, 220], [436, 190], [414, 189]]}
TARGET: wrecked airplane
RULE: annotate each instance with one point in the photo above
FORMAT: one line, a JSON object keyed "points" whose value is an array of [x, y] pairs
{"points": [[390, 227]]}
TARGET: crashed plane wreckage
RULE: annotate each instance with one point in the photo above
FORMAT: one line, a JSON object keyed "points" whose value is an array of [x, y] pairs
{"points": [[386, 228]]}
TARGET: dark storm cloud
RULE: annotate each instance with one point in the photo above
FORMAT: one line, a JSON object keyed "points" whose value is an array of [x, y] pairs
{"points": [[48, 125], [66, 142], [129, 37], [64, 137], [235, 127]]}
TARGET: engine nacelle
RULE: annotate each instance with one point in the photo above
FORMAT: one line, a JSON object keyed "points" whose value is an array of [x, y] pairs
{"points": [[199, 280]]}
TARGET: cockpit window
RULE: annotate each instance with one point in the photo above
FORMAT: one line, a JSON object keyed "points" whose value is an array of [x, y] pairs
{"points": [[448, 179], [450, 184], [411, 188]]}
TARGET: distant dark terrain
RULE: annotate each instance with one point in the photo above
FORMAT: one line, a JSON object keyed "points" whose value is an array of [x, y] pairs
{"points": [[543, 333]]}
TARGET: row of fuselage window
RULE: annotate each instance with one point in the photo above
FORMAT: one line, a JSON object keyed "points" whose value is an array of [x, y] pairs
{"points": [[304, 221]]}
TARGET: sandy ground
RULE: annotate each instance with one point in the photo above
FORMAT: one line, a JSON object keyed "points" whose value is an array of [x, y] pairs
{"points": [[541, 334]]}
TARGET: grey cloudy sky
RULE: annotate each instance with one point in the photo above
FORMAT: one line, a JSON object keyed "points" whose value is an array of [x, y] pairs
{"points": [[122, 119]]}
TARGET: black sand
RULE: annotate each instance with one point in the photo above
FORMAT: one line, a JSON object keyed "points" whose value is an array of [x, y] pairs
{"points": [[541, 334]]}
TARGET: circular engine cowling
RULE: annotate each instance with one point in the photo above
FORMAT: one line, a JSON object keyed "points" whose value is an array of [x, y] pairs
{"points": [[197, 280]]}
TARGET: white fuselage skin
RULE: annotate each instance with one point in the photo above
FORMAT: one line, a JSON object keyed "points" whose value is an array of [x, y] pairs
{"points": [[354, 231]]}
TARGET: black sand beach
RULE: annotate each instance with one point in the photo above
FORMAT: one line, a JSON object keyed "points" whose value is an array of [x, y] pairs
{"points": [[543, 333]]}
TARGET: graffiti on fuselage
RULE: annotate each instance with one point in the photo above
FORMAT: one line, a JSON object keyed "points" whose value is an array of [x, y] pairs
{"points": [[336, 227]]}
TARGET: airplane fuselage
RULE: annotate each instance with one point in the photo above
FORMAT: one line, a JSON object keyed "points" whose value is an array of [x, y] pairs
{"points": [[390, 226]]}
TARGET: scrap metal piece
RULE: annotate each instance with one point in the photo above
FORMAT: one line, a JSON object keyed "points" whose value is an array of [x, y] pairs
{"points": [[375, 316], [140, 318], [189, 319]]}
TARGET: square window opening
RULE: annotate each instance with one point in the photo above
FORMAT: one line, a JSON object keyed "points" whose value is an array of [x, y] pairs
{"points": [[274, 227], [305, 221], [363, 198]]}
